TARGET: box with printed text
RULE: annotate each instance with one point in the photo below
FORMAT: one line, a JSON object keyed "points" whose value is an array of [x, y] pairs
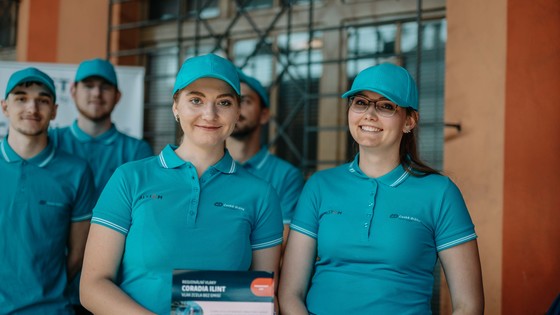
{"points": [[222, 293]]}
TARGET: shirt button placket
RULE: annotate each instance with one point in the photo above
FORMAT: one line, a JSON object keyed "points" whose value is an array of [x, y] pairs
{"points": [[370, 209], [23, 177], [195, 194]]}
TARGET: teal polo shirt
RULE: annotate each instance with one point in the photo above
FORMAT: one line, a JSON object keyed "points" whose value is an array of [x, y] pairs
{"points": [[286, 179], [378, 238], [174, 220], [41, 197], [104, 153]]}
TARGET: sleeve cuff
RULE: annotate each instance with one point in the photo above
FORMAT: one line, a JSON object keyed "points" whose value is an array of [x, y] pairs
{"points": [[110, 225]]}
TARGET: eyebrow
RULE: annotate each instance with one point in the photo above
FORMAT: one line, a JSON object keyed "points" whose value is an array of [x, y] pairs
{"points": [[203, 95], [226, 95], [381, 98], [40, 93], [45, 94]]}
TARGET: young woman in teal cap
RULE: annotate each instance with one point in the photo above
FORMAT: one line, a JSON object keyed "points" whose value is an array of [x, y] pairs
{"points": [[190, 207], [366, 235]]}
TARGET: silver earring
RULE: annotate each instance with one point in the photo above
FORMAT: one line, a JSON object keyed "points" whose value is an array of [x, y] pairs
{"points": [[177, 117]]}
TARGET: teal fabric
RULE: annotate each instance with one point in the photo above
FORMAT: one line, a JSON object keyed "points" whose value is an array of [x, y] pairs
{"points": [[103, 153], [96, 68], [256, 86], [378, 238], [389, 80], [30, 75], [207, 66], [41, 197], [174, 220], [283, 176]]}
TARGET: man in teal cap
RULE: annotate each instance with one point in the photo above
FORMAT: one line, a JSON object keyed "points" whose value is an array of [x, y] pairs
{"points": [[245, 146], [46, 203], [93, 136]]}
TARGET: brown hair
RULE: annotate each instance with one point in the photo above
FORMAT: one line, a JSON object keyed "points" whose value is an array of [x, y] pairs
{"points": [[408, 153]]}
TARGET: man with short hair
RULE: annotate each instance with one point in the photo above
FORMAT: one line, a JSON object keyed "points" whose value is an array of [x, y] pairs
{"points": [[45, 204], [245, 147], [93, 136]]}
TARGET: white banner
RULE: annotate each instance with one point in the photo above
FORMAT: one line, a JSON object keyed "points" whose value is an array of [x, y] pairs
{"points": [[128, 116]]}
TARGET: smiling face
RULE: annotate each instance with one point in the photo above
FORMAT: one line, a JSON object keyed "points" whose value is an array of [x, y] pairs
{"points": [[373, 131], [208, 110], [95, 98], [29, 107]]}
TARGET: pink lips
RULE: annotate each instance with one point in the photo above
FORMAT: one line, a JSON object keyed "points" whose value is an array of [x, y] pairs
{"points": [[210, 128]]}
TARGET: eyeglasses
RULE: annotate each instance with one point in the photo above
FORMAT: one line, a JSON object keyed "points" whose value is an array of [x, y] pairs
{"points": [[360, 104]]}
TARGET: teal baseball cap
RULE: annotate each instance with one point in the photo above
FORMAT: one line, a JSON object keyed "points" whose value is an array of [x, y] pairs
{"points": [[30, 74], [97, 68], [255, 85], [389, 80], [207, 66]]}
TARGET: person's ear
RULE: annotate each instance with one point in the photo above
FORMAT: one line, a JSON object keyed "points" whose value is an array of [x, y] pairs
{"points": [[175, 111], [265, 115], [117, 97], [5, 108], [55, 110], [73, 91], [411, 121]]}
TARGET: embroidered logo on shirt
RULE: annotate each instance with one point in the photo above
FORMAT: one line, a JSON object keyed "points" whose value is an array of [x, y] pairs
{"points": [[230, 206], [333, 212], [151, 196], [404, 217], [329, 213]]}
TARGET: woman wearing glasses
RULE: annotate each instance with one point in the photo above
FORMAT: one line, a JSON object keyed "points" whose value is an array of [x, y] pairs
{"points": [[366, 235], [190, 207]]}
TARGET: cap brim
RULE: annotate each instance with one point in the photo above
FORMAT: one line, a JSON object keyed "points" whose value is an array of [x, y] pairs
{"points": [[259, 91], [211, 75], [90, 75], [34, 78]]}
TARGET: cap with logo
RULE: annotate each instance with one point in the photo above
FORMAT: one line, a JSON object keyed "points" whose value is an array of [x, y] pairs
{"points": [[30, 75], [255, 85], [97, 68], [392, 81], [207, 66]]}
